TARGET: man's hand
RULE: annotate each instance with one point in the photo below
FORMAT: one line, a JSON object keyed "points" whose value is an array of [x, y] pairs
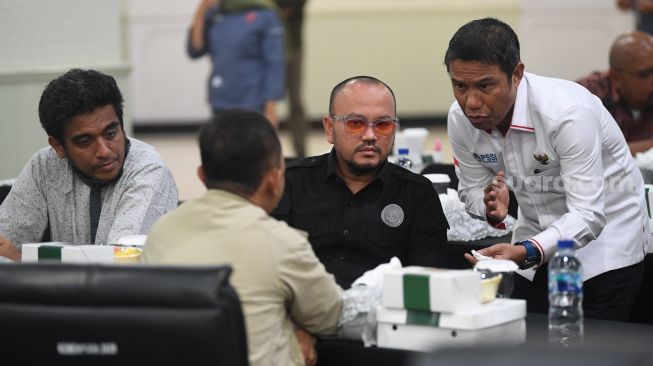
{"points": [[9, 250], [270, 112], [307, 346], [197, 26], [515, 253], [624, 4], [496, 199]]}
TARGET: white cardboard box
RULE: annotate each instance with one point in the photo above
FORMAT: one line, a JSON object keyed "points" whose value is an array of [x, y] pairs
{"points": [[69, 253], [431, 289], [500, 321]]}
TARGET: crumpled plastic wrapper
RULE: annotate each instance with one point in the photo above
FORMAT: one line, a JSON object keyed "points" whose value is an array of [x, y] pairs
{"points": [[358, 316], [463, 227], [645, 159]]}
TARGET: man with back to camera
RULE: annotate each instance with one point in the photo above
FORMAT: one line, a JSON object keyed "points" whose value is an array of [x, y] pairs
{"points": [[93, 184], [556, 146], [626, 90], [276, 274], [358, 209]]}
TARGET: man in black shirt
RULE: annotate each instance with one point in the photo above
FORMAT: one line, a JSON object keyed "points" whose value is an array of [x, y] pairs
{"points": [[358, 209]]}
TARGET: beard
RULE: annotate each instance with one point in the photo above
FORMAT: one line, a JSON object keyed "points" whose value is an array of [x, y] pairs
{"points": [[359, 169]]}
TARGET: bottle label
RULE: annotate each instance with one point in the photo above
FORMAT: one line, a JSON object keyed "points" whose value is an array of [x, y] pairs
{"points": [[566, 282]]}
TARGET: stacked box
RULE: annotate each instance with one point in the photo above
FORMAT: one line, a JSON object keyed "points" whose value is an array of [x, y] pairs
{"points": [[67, 253], [424, 308], [431, 289]]}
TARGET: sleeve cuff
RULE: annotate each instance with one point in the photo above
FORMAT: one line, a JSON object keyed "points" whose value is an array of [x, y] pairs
{"points": [[546, 242]]}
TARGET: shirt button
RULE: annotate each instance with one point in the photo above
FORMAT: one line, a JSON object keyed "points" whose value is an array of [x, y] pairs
{"points": [[341, 258], [345, 232]]}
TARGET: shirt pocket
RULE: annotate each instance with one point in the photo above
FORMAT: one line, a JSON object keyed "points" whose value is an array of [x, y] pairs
{"points": [[315, 227], [382, 235], [545, 179]]}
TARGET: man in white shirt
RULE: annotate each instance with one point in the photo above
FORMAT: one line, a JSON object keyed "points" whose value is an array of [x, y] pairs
{"points": [[560, 151]]}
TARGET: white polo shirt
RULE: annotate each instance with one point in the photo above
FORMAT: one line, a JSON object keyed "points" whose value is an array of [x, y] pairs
{"points": [[570, 168]]}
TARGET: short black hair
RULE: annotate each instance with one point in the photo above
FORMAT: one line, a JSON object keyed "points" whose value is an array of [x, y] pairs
{"points": [[489, 41], [362, 78], [73, 93], [238, 148]]}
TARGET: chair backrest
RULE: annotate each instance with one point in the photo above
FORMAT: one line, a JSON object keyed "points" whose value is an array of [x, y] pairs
{"points": [[94, 314], [5, 187]]}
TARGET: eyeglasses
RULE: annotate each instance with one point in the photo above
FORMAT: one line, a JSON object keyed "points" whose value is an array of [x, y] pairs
{"points": [[357, 125], [641, 74]]}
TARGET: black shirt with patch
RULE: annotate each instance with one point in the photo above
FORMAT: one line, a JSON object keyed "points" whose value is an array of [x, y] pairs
{"points": [[352, 233]]}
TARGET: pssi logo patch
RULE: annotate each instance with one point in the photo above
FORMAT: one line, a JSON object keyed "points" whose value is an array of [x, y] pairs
{"points": [[486, 158]]}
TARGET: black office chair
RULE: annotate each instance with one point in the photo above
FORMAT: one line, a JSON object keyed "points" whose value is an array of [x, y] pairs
{"points": [[119, 315], [5, 187]]}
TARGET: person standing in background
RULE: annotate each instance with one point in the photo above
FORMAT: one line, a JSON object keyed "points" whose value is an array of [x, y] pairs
{"points": [[245, 41], [292, 12], [644, 13]]}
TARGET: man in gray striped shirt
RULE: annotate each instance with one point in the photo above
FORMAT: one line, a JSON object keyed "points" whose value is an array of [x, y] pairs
{"points": [[93, 184]]}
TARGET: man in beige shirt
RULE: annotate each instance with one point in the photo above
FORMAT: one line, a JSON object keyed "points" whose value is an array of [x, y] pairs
{"points": [[280, 281]]}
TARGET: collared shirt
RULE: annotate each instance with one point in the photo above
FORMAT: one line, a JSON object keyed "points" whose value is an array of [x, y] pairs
{"points": [[570, 169], [398, 214], [247, 55], [276, 274], [634, 128], [49, 193]]}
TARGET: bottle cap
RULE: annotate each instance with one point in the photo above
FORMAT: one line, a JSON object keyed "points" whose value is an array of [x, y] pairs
{"points": [[438, 145], [565, 244], [403, 151]]}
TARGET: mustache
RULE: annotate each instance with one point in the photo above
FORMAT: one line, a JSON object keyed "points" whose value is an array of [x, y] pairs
{"points": [[367, 146], [106, 161]]}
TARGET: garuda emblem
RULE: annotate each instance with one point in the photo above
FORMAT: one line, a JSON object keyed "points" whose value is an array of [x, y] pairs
{"points": [[542, 159]]}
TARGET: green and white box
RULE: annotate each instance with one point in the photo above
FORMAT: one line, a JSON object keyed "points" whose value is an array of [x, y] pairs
{"points": [[431, 289], [500, 321], [67, 253]]}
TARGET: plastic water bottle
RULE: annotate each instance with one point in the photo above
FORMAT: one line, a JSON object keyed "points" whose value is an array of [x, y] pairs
{"points": [[565, 297], [403, 160], [437, 151]]}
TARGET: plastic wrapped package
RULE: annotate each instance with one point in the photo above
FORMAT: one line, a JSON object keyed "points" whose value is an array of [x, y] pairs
{"points": [[463, 227], [358, 316]]}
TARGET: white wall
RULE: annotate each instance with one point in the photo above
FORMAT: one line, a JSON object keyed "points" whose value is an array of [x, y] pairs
{"points": [[402, 42], [569, 38]]}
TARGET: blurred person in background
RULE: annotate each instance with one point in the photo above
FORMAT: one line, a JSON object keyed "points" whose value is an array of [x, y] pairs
{"points": [[626, 90], [244, 39], [292, 12], [643, 12]]}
